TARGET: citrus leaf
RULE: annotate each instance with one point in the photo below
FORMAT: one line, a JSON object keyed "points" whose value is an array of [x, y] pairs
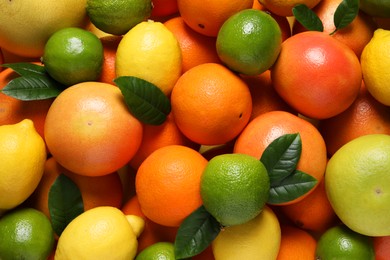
{"points": [[345, 13], [32, 87], [281, 157], [308, 18], [196, 233], [292, 187], [26, 68], [65, 203], [145, 101]]}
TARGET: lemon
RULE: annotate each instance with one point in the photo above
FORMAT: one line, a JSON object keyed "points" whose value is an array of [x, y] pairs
{"points": [[25, 26], [158, 251], [151, 52], [25, 233], [256, 239], [375, 63], [102, 232], [22, 160], [357, 182]]}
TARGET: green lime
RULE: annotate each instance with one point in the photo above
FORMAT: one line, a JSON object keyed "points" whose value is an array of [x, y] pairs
{"points": [[340, 243], [73, 55], [157, 251], [249, 41], [234, 188], [375, 8], [118, 17], [25, 233]]}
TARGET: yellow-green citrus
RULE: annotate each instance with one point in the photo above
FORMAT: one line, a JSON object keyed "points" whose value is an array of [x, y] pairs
{"points": [[375, 8], [158, 251]]}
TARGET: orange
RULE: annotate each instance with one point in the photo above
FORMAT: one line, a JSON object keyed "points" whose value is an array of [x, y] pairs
{"points": [[284, 7], [356, 35], [155, 137], [1, 59], [265, 128], [90, 131], [207, 17], [195, 48], [365, 116], [168, 184], [206, 254], [110, 44], [211, 104], [316, 74], [296, 244], [13, 110], [163, 8], [382, 247]]}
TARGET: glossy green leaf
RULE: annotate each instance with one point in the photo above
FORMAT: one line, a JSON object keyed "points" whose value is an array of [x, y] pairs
{"points": [[196, 233], [65, 203], [345, 13], [145, 101], [309, 19], [26, 68]]}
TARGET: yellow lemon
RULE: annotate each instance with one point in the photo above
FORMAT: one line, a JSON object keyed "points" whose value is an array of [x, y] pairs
{"points": [[22, 160], [375, 62], [151, 52]]}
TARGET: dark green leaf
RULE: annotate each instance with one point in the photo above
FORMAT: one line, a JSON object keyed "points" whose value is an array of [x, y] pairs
{"points": [[196, 233], [309, 19], [281, 157], [145, 101], [292, 187], [65, 203], [345, 13], [32, 87], [26, 68]]}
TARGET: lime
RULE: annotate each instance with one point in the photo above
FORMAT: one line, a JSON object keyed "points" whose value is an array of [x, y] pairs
{"points": [[157, 251], [25, 233], [357, 182], [340, 242], [375, 8], [118, 17], [249, 41], [234, 188], [73, 55]]}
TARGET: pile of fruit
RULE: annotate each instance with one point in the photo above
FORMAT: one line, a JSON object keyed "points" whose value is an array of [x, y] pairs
{"points": [[190, 129]]}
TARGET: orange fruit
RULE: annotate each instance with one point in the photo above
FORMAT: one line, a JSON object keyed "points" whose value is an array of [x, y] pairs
{"points": [[162, 8], [168, 184], [1, 59], [316, 74], [90, 131], [265, 128], [207, 17], [382, 247], [195, 48], [356, 35], [284, 7], [154, 137], [365, 116], [110, 44], [211, 104], [296, 244]]}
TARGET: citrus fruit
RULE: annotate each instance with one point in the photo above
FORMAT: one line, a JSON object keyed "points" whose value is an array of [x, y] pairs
{"points": [[249, 41], [164, 8], [211, 104], [168, 184], [207, 17], [234, 188], [25, 27], [258, 238], [356, 173], [101, 232], [1, 60], [25, 233], [375, 8], [340, 242], [118, 17], [284, 7], [110, 44], [73, 55], [375, 60], [381, 247], [23, 156], [90, 131], [301, 74], [151, 52], [157, 251]]}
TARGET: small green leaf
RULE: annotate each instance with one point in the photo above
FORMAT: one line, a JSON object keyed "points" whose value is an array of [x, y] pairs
{"points": [[26, 68], [196, 233], [281, 157], [308, 18], [32, 87], [292, 187], [145, 101], [345, 14], [65, 203]]}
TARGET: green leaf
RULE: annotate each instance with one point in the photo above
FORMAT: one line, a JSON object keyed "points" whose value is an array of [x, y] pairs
{"points": [[281, 157], [308, 18], [196, 233], [26, 68], [32, 87], [292, 187], [65, 203], [145, 101], [345, 14]]}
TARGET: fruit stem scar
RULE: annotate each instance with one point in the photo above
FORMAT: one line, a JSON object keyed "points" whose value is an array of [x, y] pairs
{"points": [[378, 191], [201, 25]]}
